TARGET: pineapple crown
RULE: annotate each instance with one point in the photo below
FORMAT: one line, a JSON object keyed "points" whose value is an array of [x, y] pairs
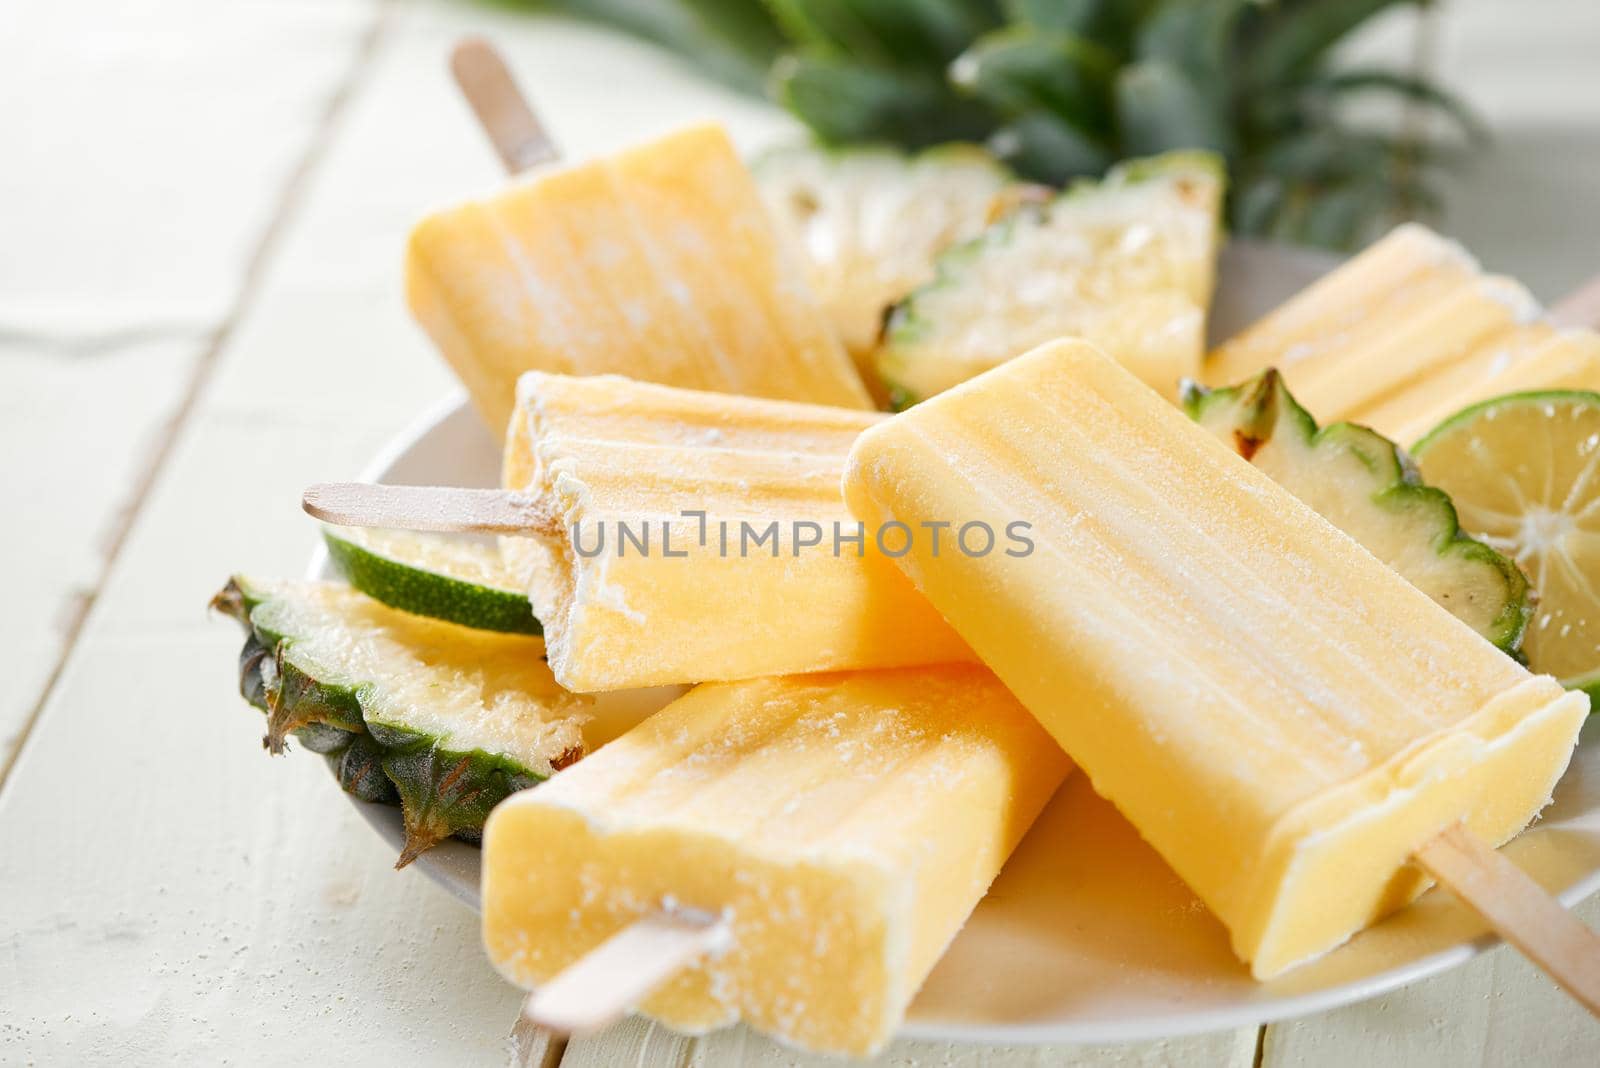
{"points": [[1066, 88]]}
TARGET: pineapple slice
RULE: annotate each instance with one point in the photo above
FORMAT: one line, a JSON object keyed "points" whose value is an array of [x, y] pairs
{"points": [[1363, 484], [455, 718], [871, 221], [1127, 263]]}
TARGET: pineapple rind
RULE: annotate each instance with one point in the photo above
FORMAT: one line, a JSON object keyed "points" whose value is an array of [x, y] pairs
{"points": [[1033, 276], [361, 725], [1368, 487]]}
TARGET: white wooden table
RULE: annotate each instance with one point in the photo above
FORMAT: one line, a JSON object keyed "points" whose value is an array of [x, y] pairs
{"points": [[202, 208]]}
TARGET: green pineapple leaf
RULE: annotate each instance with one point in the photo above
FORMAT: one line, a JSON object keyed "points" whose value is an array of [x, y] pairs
{"points": [[1061, 88], [844, 102], [1412, 89], [1041, 145], [1020, 70], [907, 34], [1289, 46], [1339, 216], [1159, 108], [1112, 23]]}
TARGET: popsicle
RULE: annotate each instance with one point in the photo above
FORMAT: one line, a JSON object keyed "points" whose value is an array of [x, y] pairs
{"points": [[840, 827], [1282, 717], [1404, 334], [659, 261], [699, 537], [1527, 359]]}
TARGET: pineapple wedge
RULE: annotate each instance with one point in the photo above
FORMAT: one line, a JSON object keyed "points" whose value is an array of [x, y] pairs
{"points": [[871, 221], [1127, 263], [455, 718], [1363, 484]]}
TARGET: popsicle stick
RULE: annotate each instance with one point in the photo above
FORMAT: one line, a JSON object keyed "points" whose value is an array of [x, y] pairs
{"points": [[1518, 909], [1581, 307], [601, 987], [439, 508], [519, 138]]}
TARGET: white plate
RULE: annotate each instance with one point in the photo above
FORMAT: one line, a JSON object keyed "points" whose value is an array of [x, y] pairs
{"points": [[1087, 936]]}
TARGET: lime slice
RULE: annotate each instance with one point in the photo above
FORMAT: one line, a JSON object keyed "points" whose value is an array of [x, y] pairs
{"points": [[1524, 473], [455, 579]]}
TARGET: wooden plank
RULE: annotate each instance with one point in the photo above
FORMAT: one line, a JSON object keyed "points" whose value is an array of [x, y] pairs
{"points": [[1495, 1010], [642, 1042], [130, 205], [118, 402]]}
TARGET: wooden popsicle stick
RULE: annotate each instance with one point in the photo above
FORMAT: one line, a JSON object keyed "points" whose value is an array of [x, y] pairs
{"points": [[519, 138], [438, 508], [1518, 909], [606, 983], [1581, 307]]}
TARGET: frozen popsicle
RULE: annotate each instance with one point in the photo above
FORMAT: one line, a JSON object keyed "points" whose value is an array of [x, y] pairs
{"points": [[841, 826], [1404, 334], [659, 262], [1524, 359], [698, 536], [1284, 718]]}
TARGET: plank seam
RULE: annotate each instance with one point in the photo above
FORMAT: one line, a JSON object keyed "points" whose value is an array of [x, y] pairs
{"points": [[171, 430]]}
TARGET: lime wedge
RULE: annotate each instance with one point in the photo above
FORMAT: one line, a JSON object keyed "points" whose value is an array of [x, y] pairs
{"points": [[1524, 473]]}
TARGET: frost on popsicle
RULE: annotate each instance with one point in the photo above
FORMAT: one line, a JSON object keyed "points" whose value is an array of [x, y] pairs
{"points": [[441, 719], [1366, 486], [1126, 262]]}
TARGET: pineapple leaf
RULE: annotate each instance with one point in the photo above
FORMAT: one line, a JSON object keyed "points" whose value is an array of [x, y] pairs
{"points": [[1061, 88], [1019, 70], [1256, 201], [1194, 35], [1414, 89], [1330, 153], [899, 33], [1040, 144], [847, 102], [1159, 108], [1338, 216], [1290, 46], [1112, 23], [825, 29]]}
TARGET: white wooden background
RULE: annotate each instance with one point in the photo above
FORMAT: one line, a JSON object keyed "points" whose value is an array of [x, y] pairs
{"points": [[202, 209]]}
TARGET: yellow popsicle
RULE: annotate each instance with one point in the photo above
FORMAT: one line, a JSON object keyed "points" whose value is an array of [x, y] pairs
{"points": [[1405, 335], [659, 262], [1407, 268], [1284, 718], [845, 825], [1524, 359], [700, 537]]}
